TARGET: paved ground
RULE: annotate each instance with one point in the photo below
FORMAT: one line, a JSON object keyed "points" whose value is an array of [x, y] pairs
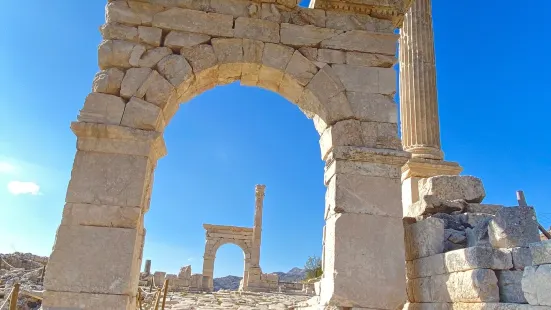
{"points": [[233, 300]]}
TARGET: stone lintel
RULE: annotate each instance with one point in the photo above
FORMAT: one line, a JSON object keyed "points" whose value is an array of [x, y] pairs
{"points": [[425, 168], [376, 8], [366, 154], [222, 228], [116, 139]]}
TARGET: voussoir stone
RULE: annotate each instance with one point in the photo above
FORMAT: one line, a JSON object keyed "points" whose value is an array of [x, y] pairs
{"points": [[141, 114], [309, 35], [175, 69], [177, 39], [133, 80], [102, 108], [151, 57], [363, 41], [195, 21], [448, 187], [200, 57], [514, 227], [257, 29], [277, 56], [300, 68], [108, 81]]}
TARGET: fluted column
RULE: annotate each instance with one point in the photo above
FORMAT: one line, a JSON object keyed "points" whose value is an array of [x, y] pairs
{"points": [[418, 100]]}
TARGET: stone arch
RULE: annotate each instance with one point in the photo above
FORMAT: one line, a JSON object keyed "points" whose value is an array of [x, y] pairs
{"points": [[219, 235], [336, 66]]}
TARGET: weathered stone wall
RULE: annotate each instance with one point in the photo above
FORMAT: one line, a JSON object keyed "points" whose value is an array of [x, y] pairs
{"points": [[464, 254]]}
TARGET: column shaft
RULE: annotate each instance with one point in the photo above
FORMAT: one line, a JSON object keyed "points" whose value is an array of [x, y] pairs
{"points": [[418, 100], [257, 228]]}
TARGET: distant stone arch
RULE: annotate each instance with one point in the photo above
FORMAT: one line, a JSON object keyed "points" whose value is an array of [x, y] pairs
{"points": [[217, 236], [333, 60]]}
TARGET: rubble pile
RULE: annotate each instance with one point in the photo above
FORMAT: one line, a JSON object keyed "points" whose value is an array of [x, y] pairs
{"points": [[26, 269]]}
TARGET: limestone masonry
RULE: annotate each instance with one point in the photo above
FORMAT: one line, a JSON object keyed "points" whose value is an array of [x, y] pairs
{"points": [[334, 60]]}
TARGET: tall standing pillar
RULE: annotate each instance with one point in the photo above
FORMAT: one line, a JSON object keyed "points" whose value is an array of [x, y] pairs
{"points": [[418, 102], [257, 227], [253, 274]]}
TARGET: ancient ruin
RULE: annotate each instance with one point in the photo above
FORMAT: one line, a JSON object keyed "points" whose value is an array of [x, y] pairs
{"points": [[334, 61]]}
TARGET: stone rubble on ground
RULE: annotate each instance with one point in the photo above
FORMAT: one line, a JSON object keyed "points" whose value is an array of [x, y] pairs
{"points": [[26, 269]]}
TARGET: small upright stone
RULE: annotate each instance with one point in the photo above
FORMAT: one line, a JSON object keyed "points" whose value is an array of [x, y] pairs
{"points": [[514, 227]]}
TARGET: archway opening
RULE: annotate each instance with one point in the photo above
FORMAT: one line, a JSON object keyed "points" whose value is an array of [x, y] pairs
{"points": [[229, 267], [220, 144]]}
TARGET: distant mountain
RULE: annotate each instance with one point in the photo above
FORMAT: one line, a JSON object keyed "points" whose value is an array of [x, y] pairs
{"points": [[232, 282], [227, 283], [293, 275]]}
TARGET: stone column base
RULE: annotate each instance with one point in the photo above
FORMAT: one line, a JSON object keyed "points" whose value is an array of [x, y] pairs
{"points": [[419, 168]]}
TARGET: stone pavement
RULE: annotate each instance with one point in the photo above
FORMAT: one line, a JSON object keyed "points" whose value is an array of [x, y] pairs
{"points": [[232, 300]]}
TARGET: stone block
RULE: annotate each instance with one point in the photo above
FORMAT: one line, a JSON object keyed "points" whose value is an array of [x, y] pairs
{"points": [[343, 133], [141, 114], [175, 69], [133, 80], [424, 238], [81, 251], [235, 8], [102, 108], [483, 208], [522, 257], [108, 179], [257, 29], [331, 56], [68, 301], [108, 81], [120, 12], [361, 194], [536, 285], [351, 21], [290, 88], [426, 266], [195, 21], [150, 35], [448, 187], [540, 252], [427, 306], [326, 84], [514, 227], [373, 107], [478, 235], [354, 275], [117, 53], [201, 57], [478, 258], [510, 288], [269, 78], [158, 90], [300, 36], [370, 60], [177, 40], [276, 56], [358, 167], [367, 79], [419, 290], [362, 41], [112, 31], [151, 57], [478, 285], [301, 69], [101, 215]]}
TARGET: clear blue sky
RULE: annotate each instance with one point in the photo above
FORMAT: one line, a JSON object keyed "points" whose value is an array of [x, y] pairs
{"points": [[494, 95]]}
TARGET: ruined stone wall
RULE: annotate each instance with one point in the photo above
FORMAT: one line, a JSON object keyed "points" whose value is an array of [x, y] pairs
{"points": [[462, 254]]}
